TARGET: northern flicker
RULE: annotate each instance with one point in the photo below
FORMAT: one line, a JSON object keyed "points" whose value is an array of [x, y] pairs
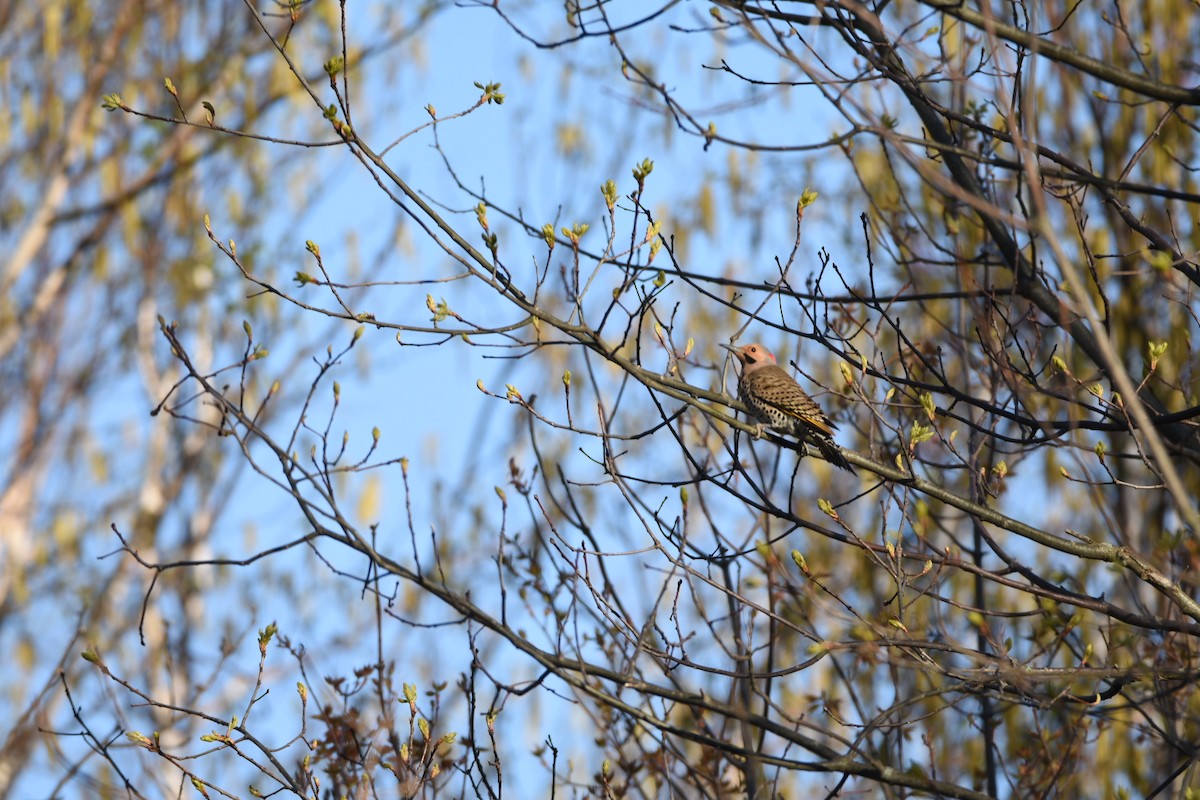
{"points": [[777, 402]]}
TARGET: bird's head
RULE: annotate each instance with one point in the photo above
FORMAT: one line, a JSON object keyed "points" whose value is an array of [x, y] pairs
{"points": [[752, 356]]}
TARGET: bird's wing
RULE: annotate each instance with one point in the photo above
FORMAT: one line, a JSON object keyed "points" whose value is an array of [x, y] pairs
{"points": [[793, 401]]}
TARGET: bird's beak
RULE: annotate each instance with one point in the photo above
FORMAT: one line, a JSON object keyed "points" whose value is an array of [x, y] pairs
{"points": [[730, 348]]}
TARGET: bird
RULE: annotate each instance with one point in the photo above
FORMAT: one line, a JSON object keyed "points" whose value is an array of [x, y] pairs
{"points": [[776, 401]]}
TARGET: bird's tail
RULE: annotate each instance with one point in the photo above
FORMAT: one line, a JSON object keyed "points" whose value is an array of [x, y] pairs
{"points": [[832, 453]]}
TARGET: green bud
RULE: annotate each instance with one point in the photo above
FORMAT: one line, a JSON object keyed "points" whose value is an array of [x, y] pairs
{"points": [[800, 562], [642, 170], [927, 403], [1156, 352], [609, 190]]}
